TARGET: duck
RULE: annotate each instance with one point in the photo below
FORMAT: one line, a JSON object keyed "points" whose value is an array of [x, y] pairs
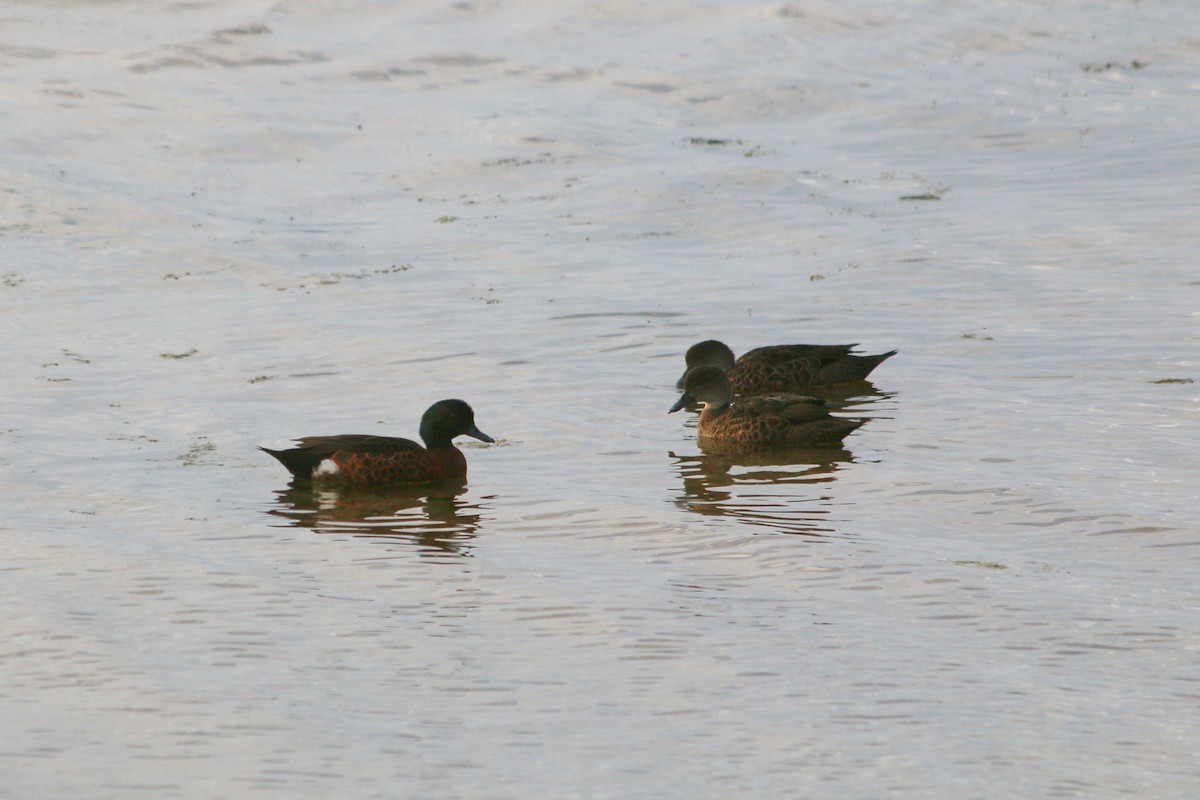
{"points": [[784, 367], [759, 422], [369, 460]]}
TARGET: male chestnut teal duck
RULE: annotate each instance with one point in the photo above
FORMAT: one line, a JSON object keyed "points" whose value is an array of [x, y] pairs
{"points": [[365, 459], [755, 422], [784, 367]]}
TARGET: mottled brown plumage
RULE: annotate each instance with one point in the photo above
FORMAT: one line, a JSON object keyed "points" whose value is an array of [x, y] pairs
{"points": [[364, 459], [784, 367], [753, 422]]}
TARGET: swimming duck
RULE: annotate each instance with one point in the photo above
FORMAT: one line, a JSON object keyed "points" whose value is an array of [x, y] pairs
{"points": [[754, 422], [784, 367], [365, 459]]}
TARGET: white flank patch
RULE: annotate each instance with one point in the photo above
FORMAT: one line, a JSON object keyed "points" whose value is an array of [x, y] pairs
{"points": [[326, 467]]}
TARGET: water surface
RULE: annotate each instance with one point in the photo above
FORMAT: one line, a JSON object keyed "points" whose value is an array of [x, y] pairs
{"points": [[228, 224]]}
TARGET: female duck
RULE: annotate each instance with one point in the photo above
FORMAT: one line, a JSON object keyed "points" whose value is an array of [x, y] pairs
{"points": [[756, 422], [784, 367], [363, 459]]}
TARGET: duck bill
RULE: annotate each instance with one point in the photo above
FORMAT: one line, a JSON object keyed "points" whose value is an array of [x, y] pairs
{"points": [[480, 435], [684, 400], [679, 383]]}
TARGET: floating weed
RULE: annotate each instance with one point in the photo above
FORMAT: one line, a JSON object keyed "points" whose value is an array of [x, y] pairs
{"points": [[78, 359], [67, 355], [701, 141], [482, 294], [334, 278], [257, 29], [198, 453], [542, 158], [1108, 66]]}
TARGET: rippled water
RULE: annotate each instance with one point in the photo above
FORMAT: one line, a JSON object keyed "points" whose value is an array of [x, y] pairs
{"points": [[228, 224]]}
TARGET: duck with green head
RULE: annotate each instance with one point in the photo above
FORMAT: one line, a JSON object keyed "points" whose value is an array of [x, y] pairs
{"points": [[784, 367], [757, 422], [365, 459]]}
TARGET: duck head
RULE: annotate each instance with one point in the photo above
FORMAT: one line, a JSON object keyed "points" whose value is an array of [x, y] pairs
{"points": [[711, 353], [706, 384], [446, 419]]}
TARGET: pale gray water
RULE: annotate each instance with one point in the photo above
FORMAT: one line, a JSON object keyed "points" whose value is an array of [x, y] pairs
{"points": [[227, 224]]}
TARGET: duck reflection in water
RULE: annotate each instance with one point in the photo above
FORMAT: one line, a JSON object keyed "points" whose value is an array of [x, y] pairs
{"points": [[759, 488], [434, 518]]}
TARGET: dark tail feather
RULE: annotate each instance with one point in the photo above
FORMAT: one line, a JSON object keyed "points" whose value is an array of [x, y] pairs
{"points": [[842, 427], [298, 461], [852, 368], [823, 432]]}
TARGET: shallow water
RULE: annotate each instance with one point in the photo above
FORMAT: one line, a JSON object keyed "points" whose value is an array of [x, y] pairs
{"points": [[227, 224]]}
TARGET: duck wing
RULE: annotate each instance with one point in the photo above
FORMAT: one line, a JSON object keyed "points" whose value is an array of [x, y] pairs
{"points": [[794, 408], [325, 446], [312, 450], [779, 354], [791, 419]]}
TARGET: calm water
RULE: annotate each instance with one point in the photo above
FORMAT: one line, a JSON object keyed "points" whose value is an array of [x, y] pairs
{"points": [[230, 223]]}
